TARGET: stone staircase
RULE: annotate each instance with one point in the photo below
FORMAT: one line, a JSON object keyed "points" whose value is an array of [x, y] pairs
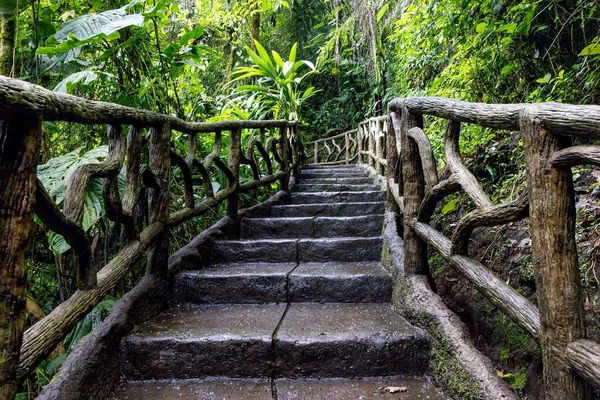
{"points": [[297, 308]]}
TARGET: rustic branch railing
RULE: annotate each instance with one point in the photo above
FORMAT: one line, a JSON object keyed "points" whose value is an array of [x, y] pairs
{"points": [[23, 107], [397, 148], [340, 149]]}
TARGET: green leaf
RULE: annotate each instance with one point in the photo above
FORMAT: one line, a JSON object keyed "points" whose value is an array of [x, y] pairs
{"points": [[382, 11], [480, 27], [83, 77], [90, 25], [545, 79], [293, 51], [591, 50], [451, 206]]}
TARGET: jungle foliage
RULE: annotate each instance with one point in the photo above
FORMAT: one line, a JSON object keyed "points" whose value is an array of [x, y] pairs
{"points": [[221, 59]]}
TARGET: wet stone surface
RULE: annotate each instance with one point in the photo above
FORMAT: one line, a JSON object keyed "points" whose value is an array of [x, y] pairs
{"points": [[349, 340], [358, 282], [328, 209], [197, 341], [352, 389], [337, 197], [333, 187]]}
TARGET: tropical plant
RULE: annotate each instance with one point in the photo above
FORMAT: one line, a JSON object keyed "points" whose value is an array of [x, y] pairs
{"points": [[276, 91]]}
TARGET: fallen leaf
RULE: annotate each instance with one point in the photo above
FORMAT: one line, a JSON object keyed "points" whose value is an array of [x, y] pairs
{"points": [[396, 389]]}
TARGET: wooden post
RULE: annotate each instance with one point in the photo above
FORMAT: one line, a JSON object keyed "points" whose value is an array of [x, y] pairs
{"points": [[371, 144], [392, 167], [19, 146], [284, 182], [378, 147], [359, 148], [233, 163], [347, 140], [158, 199], [316, 156], [554, 253], [415, 250]]}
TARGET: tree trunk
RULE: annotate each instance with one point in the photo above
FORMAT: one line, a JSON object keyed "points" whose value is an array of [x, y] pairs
{"points": [[8, 29], [19, 145]]}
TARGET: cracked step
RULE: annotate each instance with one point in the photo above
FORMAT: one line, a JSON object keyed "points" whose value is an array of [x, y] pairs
{"points": [[331, 180], [372, 388], [333, 187], [349, 340], [192, 341], [327, 209], [324, 340], [234, 283], [356, 282], [306, 227], [300, 250], [336, 197]]}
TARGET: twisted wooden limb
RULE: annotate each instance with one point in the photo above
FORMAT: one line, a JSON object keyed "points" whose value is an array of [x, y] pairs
{"points": [[426, 154], [576, 155], [216, 152], [248, 159], [193, 162], [435, 194], [507, 299], [133, 182], [465, 177], [187, 177], [265, 155], [490, 216]]}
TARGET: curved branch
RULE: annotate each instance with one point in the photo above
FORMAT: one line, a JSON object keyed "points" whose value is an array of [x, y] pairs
{"points": [[490, 216], [264, 155], [435, 194], [74, 235], [133, 183], [75, 192], [576, 155], [216, 151], [225, 169], [427, 157], [193, 162], [248, 159], [465, 177], [187, 177]]}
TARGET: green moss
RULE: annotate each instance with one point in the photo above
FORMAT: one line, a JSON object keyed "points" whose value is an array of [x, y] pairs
{"points": [[518, 380]]}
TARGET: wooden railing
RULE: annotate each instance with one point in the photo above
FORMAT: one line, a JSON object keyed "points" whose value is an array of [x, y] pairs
{"points": [[340, 149], [23, 107], [397, 148]]}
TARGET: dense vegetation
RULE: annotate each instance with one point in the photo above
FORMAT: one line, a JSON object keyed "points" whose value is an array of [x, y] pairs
{"points": [[211, 60]]}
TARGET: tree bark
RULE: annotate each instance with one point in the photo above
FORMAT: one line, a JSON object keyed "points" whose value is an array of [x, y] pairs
{"points": [[554, 251], [8, 29], [19, 146]]}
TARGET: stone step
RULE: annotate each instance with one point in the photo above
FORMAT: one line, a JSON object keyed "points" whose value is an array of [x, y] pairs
{"points": [[337, 197], [296, 250], [313, 340], [348, 340], [372, 388], [357, 282], [316, 174], [328, 209], [192, 341], [313, 167], [332, 180], [333, 187], [307, 227]]}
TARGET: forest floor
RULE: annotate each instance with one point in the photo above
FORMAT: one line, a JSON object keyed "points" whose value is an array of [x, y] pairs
{"points": [[506, 250]]}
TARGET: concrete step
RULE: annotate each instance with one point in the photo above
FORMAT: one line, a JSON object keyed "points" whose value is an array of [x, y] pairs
{"points": [[337, 197], [327, 209], [285, 389], [348, 340], [316, 174], [358, 282], [317, 227], [343, 181], [191, 341], [296, 250], [334, 187], [331, 168], [244, 283], [324, 340]]}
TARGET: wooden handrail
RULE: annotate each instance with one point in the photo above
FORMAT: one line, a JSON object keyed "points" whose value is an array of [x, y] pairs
{"points": [[20, 101], [417, 188]]}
